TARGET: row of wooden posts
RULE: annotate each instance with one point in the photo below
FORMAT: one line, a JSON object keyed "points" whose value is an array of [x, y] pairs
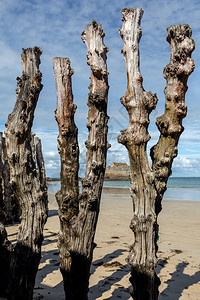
{"points": [[23, 173]]}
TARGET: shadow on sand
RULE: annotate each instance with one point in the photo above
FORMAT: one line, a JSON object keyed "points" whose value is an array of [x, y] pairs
{"points": [[105, 284], [179, 282], [175, 285]]}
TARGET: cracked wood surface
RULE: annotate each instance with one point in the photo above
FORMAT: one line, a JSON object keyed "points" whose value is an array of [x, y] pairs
{"points": [[6, 248], [10, 203]]}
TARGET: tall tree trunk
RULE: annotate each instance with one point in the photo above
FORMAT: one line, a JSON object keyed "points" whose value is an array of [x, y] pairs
{"points": [[26, 178], [148, 184], [79, 213]]}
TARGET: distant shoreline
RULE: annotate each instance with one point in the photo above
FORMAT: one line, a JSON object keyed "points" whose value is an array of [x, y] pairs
{"points": [[178, 188], [48, 179]]}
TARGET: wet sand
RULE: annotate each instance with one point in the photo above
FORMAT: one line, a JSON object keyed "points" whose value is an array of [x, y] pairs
{"points": [[179, 244]]}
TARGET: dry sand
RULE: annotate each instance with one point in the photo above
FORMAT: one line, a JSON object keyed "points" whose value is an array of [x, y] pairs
{"points": [[179, 251]]}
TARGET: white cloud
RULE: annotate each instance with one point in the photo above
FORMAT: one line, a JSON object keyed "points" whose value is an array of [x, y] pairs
{"points": [[51, 154], [52, 165], [185, 163]]}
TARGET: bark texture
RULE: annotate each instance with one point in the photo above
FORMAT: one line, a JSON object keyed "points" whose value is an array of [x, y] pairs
{"points": [[6, 249], [149, 183], [10, 203], [79, 213], [67, 197], [27, 177]]}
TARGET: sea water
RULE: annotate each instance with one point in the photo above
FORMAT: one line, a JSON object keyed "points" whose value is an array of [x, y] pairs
{"points": [[178, 188]]}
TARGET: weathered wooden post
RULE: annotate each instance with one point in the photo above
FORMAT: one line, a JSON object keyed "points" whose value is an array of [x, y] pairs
{"points": [[79, 213], [10, 203], [27, 177], [169, 124], [149, 183], [6, 249]]}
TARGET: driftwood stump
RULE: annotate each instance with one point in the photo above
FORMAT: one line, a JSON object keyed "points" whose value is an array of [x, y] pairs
{"points": [[79, 213], [27, 178], [149, 183]]}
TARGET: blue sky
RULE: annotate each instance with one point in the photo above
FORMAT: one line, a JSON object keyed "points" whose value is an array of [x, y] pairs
{"points": [[56, 27]]}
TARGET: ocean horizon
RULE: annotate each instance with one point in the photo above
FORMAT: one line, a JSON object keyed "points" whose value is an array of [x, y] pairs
{"points": [[178, 188]]}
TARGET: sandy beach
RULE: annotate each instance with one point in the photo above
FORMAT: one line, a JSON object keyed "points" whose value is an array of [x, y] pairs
{"points": [[179, 244]]}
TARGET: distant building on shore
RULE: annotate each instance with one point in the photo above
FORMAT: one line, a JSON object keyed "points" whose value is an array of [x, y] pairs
{"points": [[117, 171]]}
